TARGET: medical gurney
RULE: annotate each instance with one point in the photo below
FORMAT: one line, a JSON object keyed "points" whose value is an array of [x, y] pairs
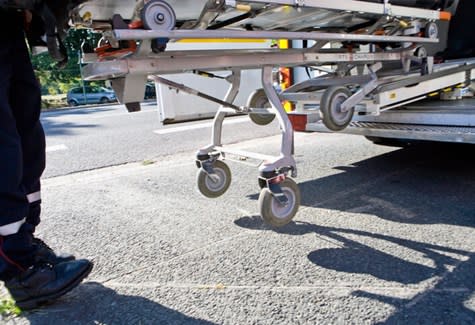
{"points": [[373, 47]]}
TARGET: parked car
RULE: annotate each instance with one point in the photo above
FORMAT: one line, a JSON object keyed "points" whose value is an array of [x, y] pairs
{"points": [[90, 95]]}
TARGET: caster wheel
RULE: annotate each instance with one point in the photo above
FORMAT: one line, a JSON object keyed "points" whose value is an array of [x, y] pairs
{"points": [[213, 186], [431, 30], [258, 99], [275, 213], [330, 107], [420, 52], [158, 15]]}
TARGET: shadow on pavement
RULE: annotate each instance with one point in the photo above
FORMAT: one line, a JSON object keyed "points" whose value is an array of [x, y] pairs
{"points": [[424, 184], [421, 184], [443, 304], [93, 303], [80, 110], [54, 128]]}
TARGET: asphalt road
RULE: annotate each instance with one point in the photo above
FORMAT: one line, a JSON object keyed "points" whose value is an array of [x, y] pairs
{"points": [[383, 236], [89, 138]]}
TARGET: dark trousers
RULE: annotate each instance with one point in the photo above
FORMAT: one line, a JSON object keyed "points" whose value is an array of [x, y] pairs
{"points": [[22, 146]]}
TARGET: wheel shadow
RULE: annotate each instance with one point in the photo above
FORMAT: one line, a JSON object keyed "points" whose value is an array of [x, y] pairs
{"points": [[421, 184], [445, 303], [93, 303]]}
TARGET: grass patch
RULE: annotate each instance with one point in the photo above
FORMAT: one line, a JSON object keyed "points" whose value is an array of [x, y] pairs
{"points": [[148, 162], [8, 308]]}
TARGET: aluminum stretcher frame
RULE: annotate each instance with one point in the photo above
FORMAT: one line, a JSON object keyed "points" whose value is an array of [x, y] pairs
{"points": [[280, 197], [186, 10]]}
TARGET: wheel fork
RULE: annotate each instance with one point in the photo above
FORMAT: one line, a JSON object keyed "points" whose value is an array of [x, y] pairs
{"points": [[207, 162], [273, 184]]}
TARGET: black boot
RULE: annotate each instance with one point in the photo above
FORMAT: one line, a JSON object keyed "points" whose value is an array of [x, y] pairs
{"points": [[43, 283], [45, 254]]}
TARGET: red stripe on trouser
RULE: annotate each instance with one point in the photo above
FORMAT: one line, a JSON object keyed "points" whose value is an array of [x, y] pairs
{"points": [[9, 260]]}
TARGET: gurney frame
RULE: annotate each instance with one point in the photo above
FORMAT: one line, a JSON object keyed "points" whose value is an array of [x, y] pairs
{"points": [[279, 198]]}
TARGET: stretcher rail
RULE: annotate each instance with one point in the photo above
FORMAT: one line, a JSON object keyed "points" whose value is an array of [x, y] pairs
{"points": [[130, 34]]}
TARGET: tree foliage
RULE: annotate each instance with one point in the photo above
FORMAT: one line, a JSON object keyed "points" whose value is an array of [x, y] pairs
{"points": [[55, 80]]}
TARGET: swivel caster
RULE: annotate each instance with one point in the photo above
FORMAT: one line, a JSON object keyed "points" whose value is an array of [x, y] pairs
{"points": [[214, 179], [278, 207]]}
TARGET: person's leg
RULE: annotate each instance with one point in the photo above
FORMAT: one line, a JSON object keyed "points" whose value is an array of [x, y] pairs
{"points": [[25, 100], [26, 110], [30, 281], [16, 249]]}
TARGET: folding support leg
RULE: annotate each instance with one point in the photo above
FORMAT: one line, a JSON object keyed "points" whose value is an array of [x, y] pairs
{"points": [[217, 129], [214, 176], [285, 160]]}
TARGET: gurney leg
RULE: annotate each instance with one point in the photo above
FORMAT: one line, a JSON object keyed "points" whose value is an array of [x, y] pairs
{"points": [[287, 147], [217, 129], [279, 199], [214, 176]]}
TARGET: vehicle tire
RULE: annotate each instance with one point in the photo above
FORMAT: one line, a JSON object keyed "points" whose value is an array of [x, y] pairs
{"points": [[104, 100], [213, 186], [272, 211], [258, 99], [330, 107], [73, 103]]}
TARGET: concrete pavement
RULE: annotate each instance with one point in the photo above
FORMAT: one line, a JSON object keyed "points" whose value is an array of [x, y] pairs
{"points": [[383, 236]]}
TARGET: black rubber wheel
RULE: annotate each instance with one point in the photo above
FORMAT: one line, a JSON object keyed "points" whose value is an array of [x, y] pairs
{"points": [[73, 103], [104, 100], [213, 186], [158, 15], [330, 107], [420, 52], [275, 213], [258, 99]]}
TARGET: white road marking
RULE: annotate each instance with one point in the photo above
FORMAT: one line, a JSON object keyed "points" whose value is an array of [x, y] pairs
{"points": [[198, 126], [59, 147]]}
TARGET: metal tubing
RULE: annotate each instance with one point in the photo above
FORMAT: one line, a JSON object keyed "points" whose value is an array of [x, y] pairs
{"points": [[361, 6], [287, 146], [138, 34], [195, 92], [233, 90]]}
